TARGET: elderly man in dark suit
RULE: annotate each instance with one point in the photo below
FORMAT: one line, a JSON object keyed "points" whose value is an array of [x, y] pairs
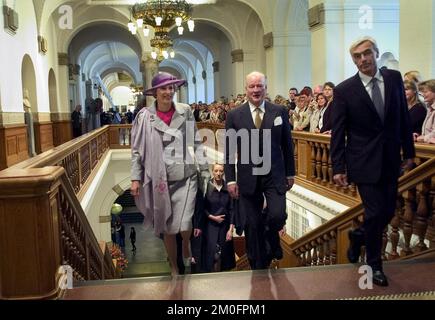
{"points": [[370, 126], [265, 167]]}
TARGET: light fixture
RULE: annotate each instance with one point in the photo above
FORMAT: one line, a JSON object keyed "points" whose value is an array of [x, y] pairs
{"points": [[162, 15]]}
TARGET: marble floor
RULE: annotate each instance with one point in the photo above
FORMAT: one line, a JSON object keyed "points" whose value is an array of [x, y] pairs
{"points": [[150, 258]]}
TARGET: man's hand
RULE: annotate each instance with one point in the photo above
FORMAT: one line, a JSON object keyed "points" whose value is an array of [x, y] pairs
{"points": [[408, 164], [290, 183], [134, 189], [341, 179], [197, 232], [233, 190]]}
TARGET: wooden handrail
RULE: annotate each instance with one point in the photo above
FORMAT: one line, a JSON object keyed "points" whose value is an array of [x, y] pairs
{"points": [[56, 155], [44, 227], [74, 225]]}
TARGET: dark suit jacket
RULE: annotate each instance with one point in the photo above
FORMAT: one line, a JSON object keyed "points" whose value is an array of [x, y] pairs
{"points": [[282, 158], [417, 114], [327, 123], [372, 149]]}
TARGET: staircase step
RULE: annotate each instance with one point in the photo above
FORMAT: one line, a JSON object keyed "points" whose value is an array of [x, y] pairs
{"points": [[326, 282]]}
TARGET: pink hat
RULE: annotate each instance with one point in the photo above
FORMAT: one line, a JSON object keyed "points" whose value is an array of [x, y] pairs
{"points": [[163, 79]]}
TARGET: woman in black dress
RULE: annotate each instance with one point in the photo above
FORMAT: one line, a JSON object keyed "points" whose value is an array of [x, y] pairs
{"points": [[219, 227], [417, 110]]}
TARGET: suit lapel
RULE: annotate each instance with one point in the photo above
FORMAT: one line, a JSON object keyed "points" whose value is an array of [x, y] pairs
{"points": [[156, 122], [269, 116], [176, 122], [178, 117], [246, 117], [388, 90], [362, 94]]}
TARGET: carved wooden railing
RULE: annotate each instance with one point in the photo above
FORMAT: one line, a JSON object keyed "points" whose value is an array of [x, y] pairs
{"points": [[328, 243], [120, 136], [79, 157], [43, 228], [80, 248], [314, 166], [72, 239]]}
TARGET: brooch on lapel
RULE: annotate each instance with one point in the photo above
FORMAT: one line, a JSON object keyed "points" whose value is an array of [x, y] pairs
{"points": [[152, 118], [162, 186]]}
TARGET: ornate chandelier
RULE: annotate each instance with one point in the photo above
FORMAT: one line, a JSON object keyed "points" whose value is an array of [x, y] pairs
{"points": [[161, 15]]}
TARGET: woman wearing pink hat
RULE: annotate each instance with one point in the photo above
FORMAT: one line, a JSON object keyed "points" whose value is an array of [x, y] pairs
{"points": [[164, 173]]}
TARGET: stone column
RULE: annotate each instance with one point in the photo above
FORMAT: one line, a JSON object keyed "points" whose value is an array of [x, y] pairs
{"points": [[217, 83], [238, 71], [63, 76], [151, 69]]}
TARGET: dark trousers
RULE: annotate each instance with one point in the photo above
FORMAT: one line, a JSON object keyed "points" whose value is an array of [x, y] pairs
{"points": [[261, 229], [379, 202]]}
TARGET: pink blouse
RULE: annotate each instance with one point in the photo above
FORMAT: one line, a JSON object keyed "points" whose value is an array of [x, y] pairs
{"points": [[166, 117]]}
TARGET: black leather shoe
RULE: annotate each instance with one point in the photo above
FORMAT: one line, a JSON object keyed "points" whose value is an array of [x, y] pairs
{"points": [[354, 251], [380, 279]]}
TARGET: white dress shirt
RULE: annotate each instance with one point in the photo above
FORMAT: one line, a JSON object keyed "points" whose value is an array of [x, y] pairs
{"points": [[366, 80], [254, 113]]}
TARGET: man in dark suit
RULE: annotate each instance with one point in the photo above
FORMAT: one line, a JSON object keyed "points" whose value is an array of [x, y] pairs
{"points": [[370, 126], [259, 125]]}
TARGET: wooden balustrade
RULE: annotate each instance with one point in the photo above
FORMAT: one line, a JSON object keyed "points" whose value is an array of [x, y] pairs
{"points": [[120, 136], [80, 158], [44, 227], [328, 243]]}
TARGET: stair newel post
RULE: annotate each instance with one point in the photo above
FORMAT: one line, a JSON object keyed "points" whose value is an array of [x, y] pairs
{"points": [[30, 233], [408, 215], [395, 222], [422, 214]]}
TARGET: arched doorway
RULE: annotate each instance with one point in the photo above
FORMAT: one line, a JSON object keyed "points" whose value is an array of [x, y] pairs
{"points": [[30, 102]]}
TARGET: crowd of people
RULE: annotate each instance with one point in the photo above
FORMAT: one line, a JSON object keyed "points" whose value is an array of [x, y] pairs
{"points": [[309, 110]]}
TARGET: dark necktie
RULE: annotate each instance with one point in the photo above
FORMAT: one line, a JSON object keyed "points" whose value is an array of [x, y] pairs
{"points": [[377, 99], [257, 118]]}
